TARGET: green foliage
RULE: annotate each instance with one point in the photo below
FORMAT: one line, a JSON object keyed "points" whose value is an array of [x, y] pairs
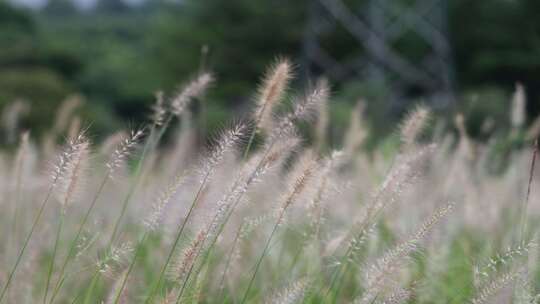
{"points": [[117, 55], [456, 283], [497, 42], [44, 88], [236, 35]]}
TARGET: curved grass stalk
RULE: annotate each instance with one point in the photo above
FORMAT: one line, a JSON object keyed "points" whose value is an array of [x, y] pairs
{"points": [[150, 144], [53, 258], [337, 274], [263, 254], [234, 204], [250, 142], [229, 212], [270, 94], [222, 225], [297, 187], [187, 277], [227, 141], [523, 224], [228, 263], [372, 213], [26, 241], [88, 294], [133, 186], [18, 183], [73, 244], [151, 223], [130, 267], [177, 238]]}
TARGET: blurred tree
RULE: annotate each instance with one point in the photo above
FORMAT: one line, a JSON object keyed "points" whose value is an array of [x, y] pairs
{"points": [[39, 72], [24, 72], [60, 7], [112, 6], [497, 43], [118, 55], [242, 36], [109, 41]]}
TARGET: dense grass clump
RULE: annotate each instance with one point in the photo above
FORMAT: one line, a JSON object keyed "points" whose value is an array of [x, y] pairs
{"points": [[261, 216]]}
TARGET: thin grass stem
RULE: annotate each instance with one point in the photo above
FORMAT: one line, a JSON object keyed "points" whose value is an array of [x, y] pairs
{"points": [[263, 254], [130, 267], [26, 241], [53, 258], [74, 241], [177, 239]]}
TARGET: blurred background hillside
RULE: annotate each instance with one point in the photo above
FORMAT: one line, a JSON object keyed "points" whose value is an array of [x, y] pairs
{"points": [[114, 55]]}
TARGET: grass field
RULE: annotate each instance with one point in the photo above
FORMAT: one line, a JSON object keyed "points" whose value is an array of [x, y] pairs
{"points": [[263, 216]]}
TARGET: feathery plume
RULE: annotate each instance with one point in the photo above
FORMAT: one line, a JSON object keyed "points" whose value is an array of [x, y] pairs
{"points": [[66, 158], [84, 243], [250, 224], [181, 267], [393, 185], [116, 255], [524, 291], [305, 107], [315, 207], [299, 178], [111, 142], [303, 110], [122, 152], [381, 270], [413, 125], [153, 220], [271, 92], [227, 141], [294, 293], [399, 295], [251, 174], [358, 241], [493, 264], [70, 181], [195, 89], [496, 286], [399, 177]]}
